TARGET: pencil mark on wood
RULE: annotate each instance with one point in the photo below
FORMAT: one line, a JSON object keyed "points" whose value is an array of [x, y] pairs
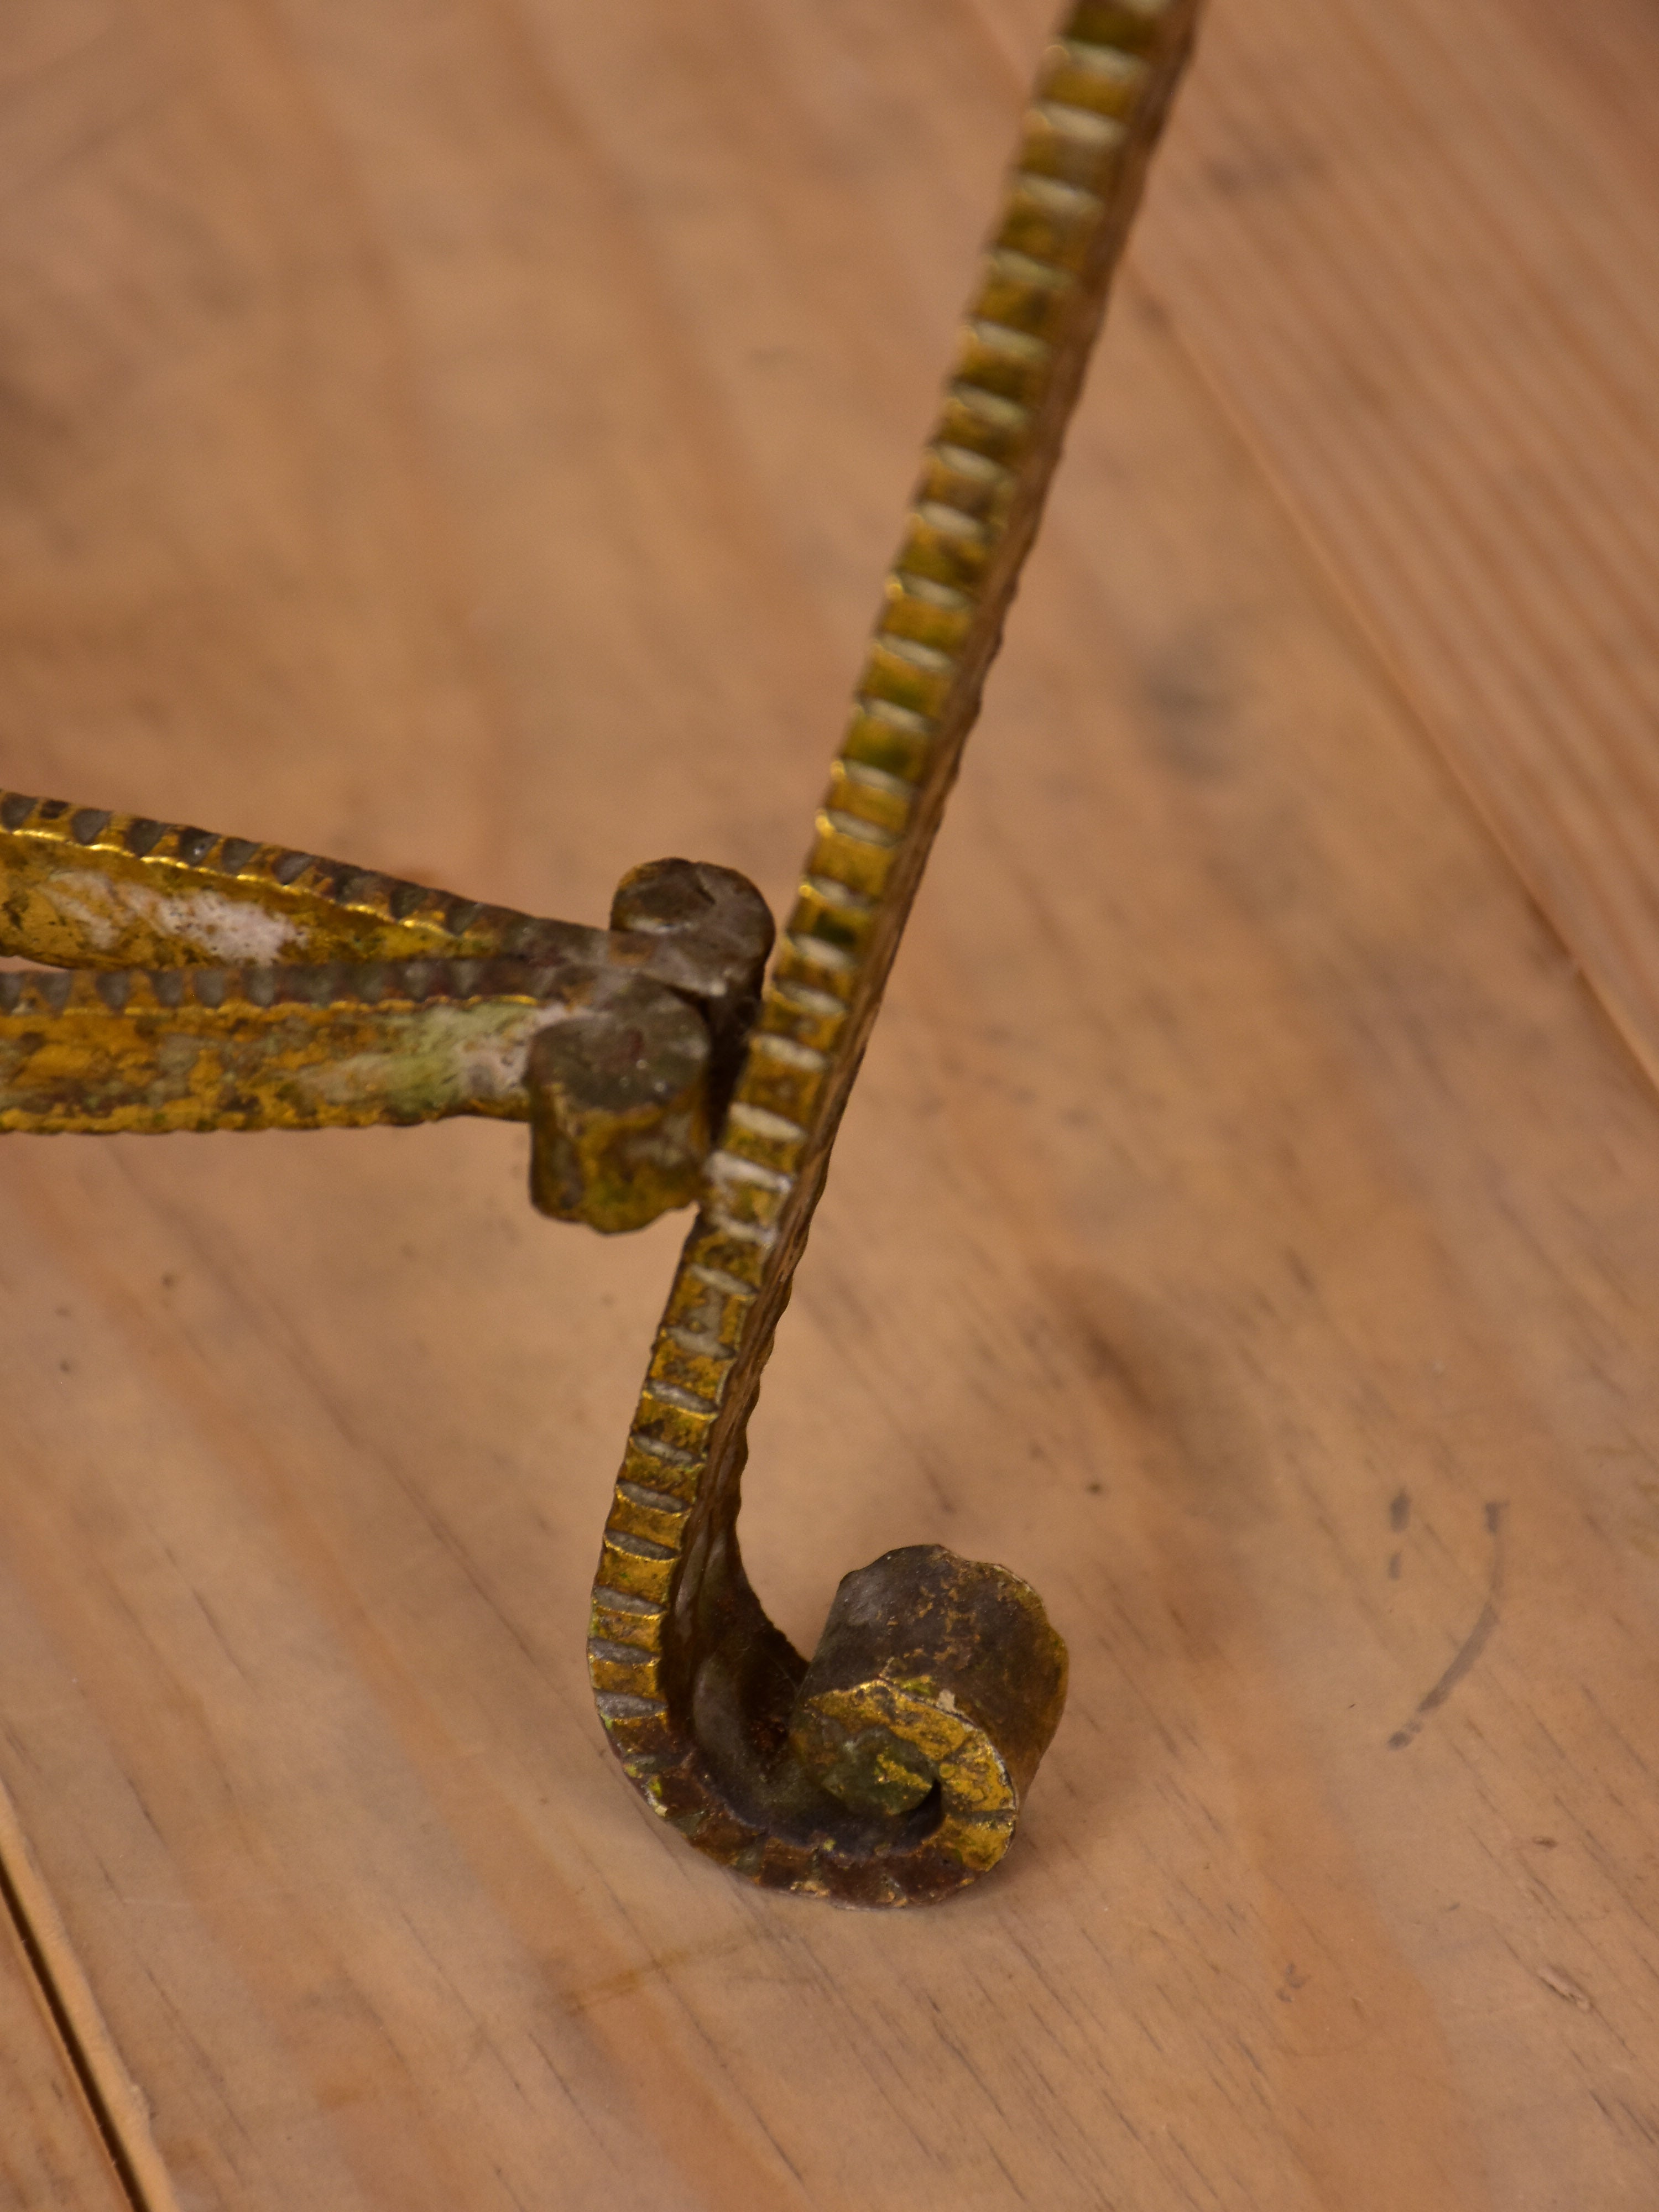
{"points": [[1472, 1644]]}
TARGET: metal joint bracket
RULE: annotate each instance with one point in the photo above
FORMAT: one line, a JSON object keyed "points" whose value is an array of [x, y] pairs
{"points": [[213, 983]]}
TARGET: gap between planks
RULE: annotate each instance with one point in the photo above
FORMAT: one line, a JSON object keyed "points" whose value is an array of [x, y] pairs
{"points": [[115, 2099]]}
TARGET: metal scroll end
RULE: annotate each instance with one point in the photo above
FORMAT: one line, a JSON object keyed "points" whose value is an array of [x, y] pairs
{"points": [[936, 1688], [890, 1771]]}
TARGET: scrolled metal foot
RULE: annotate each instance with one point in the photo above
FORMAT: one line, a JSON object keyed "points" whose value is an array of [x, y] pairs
{"points": [[891, 1770]]}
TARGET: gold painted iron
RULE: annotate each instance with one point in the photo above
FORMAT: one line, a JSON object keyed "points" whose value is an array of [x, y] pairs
{"points": [[218, 984]]}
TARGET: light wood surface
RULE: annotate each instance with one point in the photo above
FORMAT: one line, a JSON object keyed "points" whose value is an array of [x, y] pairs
{"points": [[1414, 249], [463, 438]]}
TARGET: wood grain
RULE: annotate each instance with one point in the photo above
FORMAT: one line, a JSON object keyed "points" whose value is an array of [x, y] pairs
{"points": [[463, 438], [1413, 252]]}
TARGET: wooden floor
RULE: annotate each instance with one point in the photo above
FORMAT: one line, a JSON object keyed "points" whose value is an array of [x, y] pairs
{"points": [[464, 437]]}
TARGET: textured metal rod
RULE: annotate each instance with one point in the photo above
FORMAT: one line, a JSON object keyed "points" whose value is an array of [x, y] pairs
{"points": [[82, 887], [878, 1779], [215, 983]]}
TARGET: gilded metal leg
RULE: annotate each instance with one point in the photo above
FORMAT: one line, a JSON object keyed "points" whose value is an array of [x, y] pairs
{"points": [[890, 1771]]}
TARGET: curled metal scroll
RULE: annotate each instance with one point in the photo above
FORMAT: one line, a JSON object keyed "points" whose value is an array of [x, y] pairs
{"points": [[891, 1770]]}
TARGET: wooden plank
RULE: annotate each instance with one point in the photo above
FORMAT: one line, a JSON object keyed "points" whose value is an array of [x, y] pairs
{"points": [[1413, 250], [464, 440]]}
